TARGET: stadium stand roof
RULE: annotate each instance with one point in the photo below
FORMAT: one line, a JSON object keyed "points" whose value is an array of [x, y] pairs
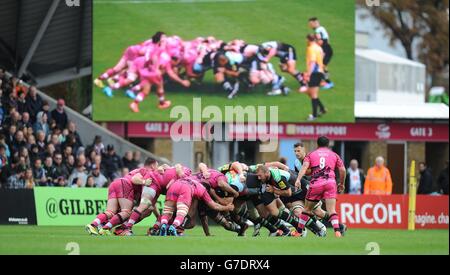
{"points": [[418, 111], [46, 41], [384, 57]]}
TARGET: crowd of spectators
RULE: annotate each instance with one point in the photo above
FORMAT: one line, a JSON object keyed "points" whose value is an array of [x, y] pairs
{"points": [[41, 147]]}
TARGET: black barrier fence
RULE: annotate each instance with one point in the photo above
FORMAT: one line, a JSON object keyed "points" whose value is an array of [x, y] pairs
{"points": [[17, 206]]}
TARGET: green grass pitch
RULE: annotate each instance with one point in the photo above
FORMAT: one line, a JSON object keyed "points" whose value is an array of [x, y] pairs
{"points": [[53, 240], [118, 25]]}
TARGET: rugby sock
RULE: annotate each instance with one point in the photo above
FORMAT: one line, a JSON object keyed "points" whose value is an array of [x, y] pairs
{"points": [[303, 220], [178, 220], [327, 77], [136, 88], [227, 86], [276, 82], [265, 223], [312, 225], [268, 226], [140, 97], [238, 219], [117, 219], [182, 211], [334, 219], [228, 225], [287, 217], [107, 74], [161, 99], [135, 216], [322, 108], [116, 86], [314, 107], [100, 219], [278, 224], [299, 77], [164, 219]]}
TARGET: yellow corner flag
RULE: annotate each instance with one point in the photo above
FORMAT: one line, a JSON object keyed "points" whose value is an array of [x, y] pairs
{"points": [[412, 196]]}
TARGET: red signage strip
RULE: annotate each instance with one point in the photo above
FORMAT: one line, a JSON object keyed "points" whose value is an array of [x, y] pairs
{"points": [[338, 131], [371, 211], [347, 131]]}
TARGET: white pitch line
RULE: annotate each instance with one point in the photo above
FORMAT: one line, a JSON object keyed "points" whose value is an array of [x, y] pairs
{"points": [[168, 1]]}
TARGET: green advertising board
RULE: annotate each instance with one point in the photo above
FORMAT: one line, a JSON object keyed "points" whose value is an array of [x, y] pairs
{"points": [[74, 206]]}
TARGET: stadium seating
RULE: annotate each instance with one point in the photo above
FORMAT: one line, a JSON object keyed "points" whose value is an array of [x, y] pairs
{"points": [[41, 147]]}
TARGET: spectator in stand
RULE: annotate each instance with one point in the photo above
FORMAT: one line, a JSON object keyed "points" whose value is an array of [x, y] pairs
{"points": [[124, 171], [90, 181], [40, 142], [18, 86], [61, 182], [63, 135], [9, 137], [41, 123], [8, 170], [52, 125], [79, 172], [26, 123], [60, 169], [31, 140], [46, 108], [127, 160], [49, 150], [67, 152], [98, 162], [354, 181], [111, 163], [23, 152], [54, 139], [78, 183], [19, 141], [90, 162], [11, 102], [378, 180], [4, 162], [72, 129], [21, 102], [59, 114], [442, 180], [39, 173], [3, 143], [22, 164], [50, 170], [99, 179], [98, 146], [34, 103], [34, 153], [426, 180], [72, 143], [16, 180], [70, 163], [13, 118], [29, 180], [136, 160]]}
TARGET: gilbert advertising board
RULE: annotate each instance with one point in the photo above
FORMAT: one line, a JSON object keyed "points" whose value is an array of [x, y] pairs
{"points": [[74, 206], [391, 212]]}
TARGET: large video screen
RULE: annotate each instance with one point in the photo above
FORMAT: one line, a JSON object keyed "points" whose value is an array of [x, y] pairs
{"points": [[152, 58]]}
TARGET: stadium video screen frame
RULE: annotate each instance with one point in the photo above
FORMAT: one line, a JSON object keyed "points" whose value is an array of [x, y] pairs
{"points": [[151, 56]]}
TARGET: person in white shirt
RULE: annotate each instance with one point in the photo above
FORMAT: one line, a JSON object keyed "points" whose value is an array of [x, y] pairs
{"points": [[354, 182]]}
